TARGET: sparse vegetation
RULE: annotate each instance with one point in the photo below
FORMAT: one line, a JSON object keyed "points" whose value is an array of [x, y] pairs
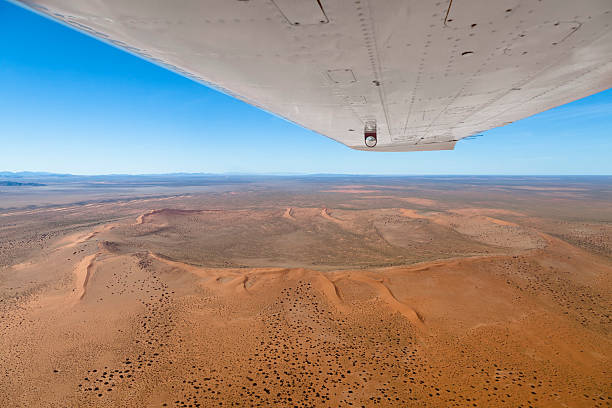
{"points": [[294, 292]]}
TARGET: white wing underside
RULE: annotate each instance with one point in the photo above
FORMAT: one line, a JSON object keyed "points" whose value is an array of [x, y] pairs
{"points": [[428, 72]]}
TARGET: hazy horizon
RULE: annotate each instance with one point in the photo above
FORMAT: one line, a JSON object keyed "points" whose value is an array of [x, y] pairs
{"points": [[288, 174]]}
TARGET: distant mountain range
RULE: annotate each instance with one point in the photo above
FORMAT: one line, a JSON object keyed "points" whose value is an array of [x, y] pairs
{"points": [[16, 183], [21, 174]]}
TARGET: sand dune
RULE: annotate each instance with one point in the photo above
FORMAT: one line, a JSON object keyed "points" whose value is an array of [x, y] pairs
{"points": [[288, 213], [76, 239], [385, 294], [349, 191], [83, 272], [325, 214], [406, 212]]}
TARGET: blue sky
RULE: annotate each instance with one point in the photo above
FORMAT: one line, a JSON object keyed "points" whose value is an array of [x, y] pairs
{"points": [[72, 104]]}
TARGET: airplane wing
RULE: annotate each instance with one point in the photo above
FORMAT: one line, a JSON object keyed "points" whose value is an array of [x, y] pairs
{"points": [[422, 74]]}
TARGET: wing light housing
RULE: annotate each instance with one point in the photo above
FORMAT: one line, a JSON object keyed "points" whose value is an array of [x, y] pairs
{"points": [[369, 133]]}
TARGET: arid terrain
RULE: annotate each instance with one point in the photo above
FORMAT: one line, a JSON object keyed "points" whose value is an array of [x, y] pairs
{"points": [[306, 292]]}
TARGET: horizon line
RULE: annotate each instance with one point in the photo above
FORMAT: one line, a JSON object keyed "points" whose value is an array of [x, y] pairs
{"points": [[295, 174]]}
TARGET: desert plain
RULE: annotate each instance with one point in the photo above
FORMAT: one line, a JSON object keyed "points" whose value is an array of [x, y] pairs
{"points": [[318, 291]]}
